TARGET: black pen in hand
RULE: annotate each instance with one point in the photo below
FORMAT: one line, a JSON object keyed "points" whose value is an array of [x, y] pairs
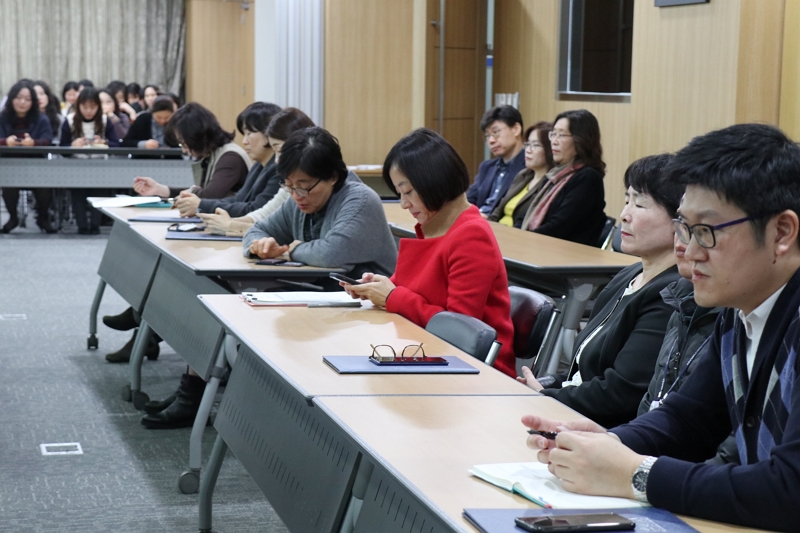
{"points": [[551, 435]]}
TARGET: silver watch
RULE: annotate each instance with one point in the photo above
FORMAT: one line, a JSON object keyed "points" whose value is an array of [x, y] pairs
{"points": [[639, 479]]}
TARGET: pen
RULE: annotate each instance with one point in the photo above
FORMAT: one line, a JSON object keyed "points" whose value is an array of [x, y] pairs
{"points": [[551, 435]]}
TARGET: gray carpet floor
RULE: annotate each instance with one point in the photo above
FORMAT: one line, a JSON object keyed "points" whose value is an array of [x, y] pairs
{"points": [[54, 390]]}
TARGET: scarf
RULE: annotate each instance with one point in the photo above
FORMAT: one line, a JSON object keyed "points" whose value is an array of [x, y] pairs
{"points": [[556, 178]]}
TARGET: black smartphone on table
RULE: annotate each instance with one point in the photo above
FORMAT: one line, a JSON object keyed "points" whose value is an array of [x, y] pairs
{"points": [[340, 277], [575, 523]]}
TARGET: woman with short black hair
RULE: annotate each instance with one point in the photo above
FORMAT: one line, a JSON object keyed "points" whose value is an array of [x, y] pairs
{"points": [[221, 166], [454, 264], [149, 128], [132, 96]]}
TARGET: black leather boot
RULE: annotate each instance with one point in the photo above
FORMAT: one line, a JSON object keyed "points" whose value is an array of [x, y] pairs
{"points": [[156, 406], [181, 412], [123, 355], [10, 224], [121, 322]]}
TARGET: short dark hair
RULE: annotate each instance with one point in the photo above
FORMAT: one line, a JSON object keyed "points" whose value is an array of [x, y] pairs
{"points": [[132, 88], [162, 103], [116, 86], [257, 117], [507, 114], [585, 133], [753, 166], [646, 175], [431, 164], [86, 83], [287, 122], [542, 129], [315, 152], [198, 129], [33, 113], [69, 86]]}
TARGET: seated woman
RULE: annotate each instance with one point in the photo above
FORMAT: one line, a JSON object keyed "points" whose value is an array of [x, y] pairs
{"points": [[454, 264], [221, 166], [280, 128], [23, 124], [615, 354], [262, 182], [148, 130], [110, 107], [69, 95], [88, 126], [569, 205], [334, 220], [51, 108], [528, 183]]}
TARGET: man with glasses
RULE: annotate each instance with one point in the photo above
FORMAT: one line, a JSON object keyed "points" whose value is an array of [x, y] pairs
{"points": [[502, 129], [739, 219]]}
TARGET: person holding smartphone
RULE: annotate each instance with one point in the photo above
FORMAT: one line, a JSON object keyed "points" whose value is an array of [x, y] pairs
{"points": [[455, 263], [23, 124]]}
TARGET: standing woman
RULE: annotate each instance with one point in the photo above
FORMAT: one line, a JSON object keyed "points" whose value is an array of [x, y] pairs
{"points": [[571, 202], [221, 166], [22, 124], [88, 126], [51, 108], [454, 264], [511, 209]]}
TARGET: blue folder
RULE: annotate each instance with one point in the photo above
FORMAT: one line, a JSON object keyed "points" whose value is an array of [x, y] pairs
{"points": [[198, 236], [648, 519], [360, 364]]}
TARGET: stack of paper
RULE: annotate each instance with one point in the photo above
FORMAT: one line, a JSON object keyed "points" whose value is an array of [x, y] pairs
{"points": [[300, 299]]}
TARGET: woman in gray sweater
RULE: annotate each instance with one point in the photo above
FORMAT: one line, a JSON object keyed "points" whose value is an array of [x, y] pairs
{"points": [[334, 221]]}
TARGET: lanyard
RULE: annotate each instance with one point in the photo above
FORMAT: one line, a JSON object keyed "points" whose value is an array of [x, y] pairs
{"points": [[661, 394]]}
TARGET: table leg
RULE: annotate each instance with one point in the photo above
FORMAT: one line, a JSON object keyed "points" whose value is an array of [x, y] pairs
{"points": [[132, 391], [208, 483], [359, 491], [91, 342]]}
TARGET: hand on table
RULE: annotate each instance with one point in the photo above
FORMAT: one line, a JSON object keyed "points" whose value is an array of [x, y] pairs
{"points": [[374, 287], [27, 140], [187, 203], [217, 222], [268, 248], [149, 187], [151, 144], [80, 142], [587, 458]]}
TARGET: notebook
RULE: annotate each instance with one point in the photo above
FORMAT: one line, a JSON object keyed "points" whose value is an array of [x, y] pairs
{"points": [[198, 236], [121, 201], [300, 299], [360, 364], [173, 219], [648, 519], [535, 482]]}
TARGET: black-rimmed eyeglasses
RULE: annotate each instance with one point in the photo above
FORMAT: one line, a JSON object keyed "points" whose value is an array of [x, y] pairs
{"points": [[384, 352], [704, 233], [299, 190]]}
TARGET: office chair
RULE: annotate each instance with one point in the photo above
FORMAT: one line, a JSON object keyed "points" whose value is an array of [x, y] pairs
{"points": [[466, 333], [534, 316]]}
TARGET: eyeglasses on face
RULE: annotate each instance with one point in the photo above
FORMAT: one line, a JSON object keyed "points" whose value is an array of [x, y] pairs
{"points": [[553, 135], [531, 146], [301, 192], [704, 233], [494, 134], [384, 352]]}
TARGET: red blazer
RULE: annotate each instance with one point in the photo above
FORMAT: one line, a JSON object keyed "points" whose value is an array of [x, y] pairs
{"points": [[463, 272]]}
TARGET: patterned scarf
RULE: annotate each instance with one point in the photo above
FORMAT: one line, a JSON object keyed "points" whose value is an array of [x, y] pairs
{"points": [[556, 178]]}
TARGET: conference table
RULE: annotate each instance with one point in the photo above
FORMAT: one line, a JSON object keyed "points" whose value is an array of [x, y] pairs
{"points": [[304, 464], [546, 264]]}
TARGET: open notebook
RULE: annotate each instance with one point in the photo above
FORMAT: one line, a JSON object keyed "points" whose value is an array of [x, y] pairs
{"points": [[300, 299], [534, 482]]}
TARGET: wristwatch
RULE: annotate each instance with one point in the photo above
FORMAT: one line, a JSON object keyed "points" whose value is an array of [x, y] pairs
{"points": [[639, 479]]}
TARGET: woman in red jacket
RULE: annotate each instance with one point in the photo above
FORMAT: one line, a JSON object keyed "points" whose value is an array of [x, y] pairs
{"points": [[454, 264]]}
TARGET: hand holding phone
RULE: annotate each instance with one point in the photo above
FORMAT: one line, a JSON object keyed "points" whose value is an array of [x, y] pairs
{"points": [[344, 279]]}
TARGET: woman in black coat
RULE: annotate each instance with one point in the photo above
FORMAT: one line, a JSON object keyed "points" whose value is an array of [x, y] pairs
{"points": [[615, 354]]}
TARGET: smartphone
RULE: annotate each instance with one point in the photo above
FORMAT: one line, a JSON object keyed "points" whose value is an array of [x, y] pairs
{"points": [[575, 523], [293, 264], [186, 227], [273, 261], [339, 277], [411, 361]]}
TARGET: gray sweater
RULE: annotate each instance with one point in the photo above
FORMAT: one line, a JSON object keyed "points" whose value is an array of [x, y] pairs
{"points": [[354, 235]]}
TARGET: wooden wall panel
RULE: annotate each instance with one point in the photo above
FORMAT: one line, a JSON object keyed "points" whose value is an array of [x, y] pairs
{"points": [[220, 58], [368, 76], [790, 72]]}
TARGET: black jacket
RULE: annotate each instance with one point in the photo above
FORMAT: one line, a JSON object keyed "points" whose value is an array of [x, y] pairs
{"points": [[617, 365], [140, 130], [260, 186], [481, 189]]}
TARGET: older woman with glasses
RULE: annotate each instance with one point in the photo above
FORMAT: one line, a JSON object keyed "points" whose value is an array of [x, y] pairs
{"points": [[569, 202], [454, 264], [615, 355], [333, 220]]}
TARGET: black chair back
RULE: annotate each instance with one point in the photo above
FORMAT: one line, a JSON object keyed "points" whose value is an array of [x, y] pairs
{"points": [[532, 314], [466, 333], [608, 230]]}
